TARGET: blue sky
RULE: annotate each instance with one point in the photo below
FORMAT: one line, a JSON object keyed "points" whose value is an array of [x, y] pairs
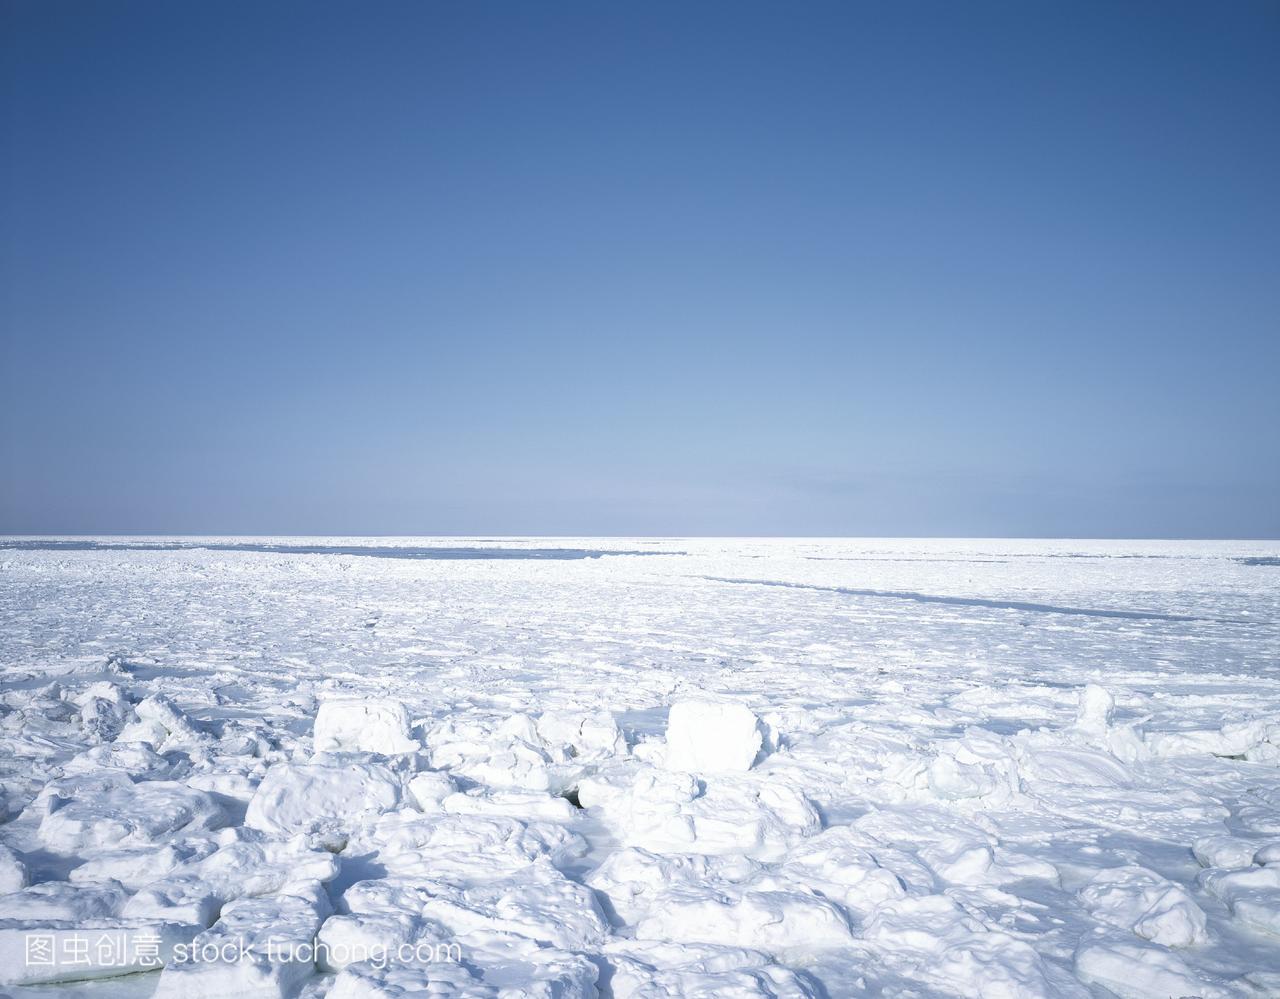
{"points": [[819, 269]]}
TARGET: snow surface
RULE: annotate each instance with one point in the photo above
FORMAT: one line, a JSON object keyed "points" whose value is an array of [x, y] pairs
{"points": [[727, 768]]}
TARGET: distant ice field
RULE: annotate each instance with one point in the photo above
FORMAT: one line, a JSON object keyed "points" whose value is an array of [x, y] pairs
{"points": [[476, 551], [782, 767]]}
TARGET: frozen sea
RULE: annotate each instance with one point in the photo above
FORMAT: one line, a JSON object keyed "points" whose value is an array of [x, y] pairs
{"points": [[371, 767]]}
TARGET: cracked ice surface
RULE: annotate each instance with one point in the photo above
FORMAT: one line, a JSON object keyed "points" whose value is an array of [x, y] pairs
{"points": [[895, 768]]}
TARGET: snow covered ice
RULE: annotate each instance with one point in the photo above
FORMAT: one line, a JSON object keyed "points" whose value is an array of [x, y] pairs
{"points": [[710, 737], [350, 724], [720, 768]]}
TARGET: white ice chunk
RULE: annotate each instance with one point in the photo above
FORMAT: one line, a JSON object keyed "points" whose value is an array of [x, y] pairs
{"points": [[13, 872], [262, 948], [1223, 850], [163, 726], [84, 950], [981, 768], [728, 901], [712, 737], [1072, 765], [671, 811], [582, 737], [654, 969], [357, 939], [140, 866], [124, 814], [428, 789], [363, 725], [634, 882], [535, 901], [379, 919], [517, 804], [508, 754], [230, 784], [197, 892], [538, 902], [928, 924], [1252, 894], [1232, 739], [104, 710], [461, 847], [1138, 971], [1097, 707], [765, 918], [520, 753], [947, 946], [850, 868], [137, 759], [1260, 910], [302, 797], [996, 965], [496, 966], [1151, 906], [60, 901]]}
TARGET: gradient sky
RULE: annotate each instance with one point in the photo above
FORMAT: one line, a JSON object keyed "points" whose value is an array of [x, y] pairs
{"points": [[737, 268]]}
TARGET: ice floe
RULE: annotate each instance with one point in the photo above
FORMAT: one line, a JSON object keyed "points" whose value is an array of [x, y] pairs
{"points": [[315, 797], [356, 725], [710, 737]]}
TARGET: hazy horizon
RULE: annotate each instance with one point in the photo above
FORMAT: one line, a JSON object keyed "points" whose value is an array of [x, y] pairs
{"points": [[494, 536]]}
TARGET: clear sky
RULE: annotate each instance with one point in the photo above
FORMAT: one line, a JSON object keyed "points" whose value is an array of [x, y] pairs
{"points": [[687, 268]]}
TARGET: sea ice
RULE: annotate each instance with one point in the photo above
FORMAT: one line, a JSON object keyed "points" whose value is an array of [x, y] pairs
{"points": [[673, 811], [1033, 770], [648, 969], [312, 797], [355, 725], [1153, 907], [94, 814], [13, 872], [711, 737], [195, 893], [84, 950], [497, 966], [161, 725], [260, 948], [1135, 971]]}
